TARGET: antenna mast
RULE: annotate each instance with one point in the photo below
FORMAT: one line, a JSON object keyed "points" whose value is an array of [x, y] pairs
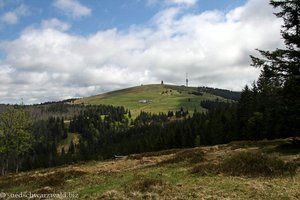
{"points": [[186, 80]]}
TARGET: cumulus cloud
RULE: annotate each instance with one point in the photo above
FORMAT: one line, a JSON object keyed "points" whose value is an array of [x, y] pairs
{"points": [[55, 24], [73, 8], [13, 17], [2, 3], [183, 2], [187, 3], [48, 63]]}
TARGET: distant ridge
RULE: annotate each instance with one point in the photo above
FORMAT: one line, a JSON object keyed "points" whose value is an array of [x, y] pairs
{"points": [[156, 98]]}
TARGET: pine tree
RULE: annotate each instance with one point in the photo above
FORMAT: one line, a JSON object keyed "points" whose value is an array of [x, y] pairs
{"points": [[280, 74]]}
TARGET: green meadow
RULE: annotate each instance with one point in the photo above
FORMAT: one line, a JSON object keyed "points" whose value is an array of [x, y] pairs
{"points": [[152, 98]]}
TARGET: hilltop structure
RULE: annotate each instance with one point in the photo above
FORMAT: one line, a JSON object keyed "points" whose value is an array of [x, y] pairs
{"points": [[186, 80]]}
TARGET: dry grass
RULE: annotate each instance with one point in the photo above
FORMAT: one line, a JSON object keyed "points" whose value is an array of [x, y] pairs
{"points": [[155, 153], [255, 164], [250, 164], [167, 175], [144, 184], [188, 155]]}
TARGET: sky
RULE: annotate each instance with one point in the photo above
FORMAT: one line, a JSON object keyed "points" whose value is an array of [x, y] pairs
{"points": [[59, 49]]}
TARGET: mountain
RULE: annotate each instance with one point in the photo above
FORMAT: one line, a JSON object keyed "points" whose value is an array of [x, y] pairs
{"points": [[160, 98]]}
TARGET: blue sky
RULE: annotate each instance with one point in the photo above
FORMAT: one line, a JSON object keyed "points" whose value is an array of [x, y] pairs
{"points": [[57, 49], [104, 14]]}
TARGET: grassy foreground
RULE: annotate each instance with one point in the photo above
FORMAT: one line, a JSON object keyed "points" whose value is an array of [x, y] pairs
{"points": [[167, 175]]}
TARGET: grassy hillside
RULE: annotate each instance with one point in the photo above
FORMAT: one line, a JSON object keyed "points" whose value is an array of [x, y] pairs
{"points": [[159, 98], [198, 173], [65, 143]]}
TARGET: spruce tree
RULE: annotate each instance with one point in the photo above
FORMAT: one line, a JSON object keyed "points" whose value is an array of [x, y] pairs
{"points": [[280, 71]]}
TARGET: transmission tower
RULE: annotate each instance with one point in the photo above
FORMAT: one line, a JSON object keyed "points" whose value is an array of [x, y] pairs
{"points": [[186, 80]]}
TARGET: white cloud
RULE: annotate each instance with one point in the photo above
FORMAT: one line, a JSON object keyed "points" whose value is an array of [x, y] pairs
{"points": [[10, 18], [182, 2], [2, 3], [72, 7], [47, 63], [187, 3], [55, 24], [13, 17]]}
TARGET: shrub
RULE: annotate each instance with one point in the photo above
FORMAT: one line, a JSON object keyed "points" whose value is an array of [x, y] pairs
{"points": [[144, 184], [204, 169], [189, 155], [58, 178], [256, 164], [249, 164]]}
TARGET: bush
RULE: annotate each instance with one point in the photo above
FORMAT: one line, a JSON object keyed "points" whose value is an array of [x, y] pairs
{"points": [[249, 164], [204, 169], [256, 164], [189, 155], [144, 184]]}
